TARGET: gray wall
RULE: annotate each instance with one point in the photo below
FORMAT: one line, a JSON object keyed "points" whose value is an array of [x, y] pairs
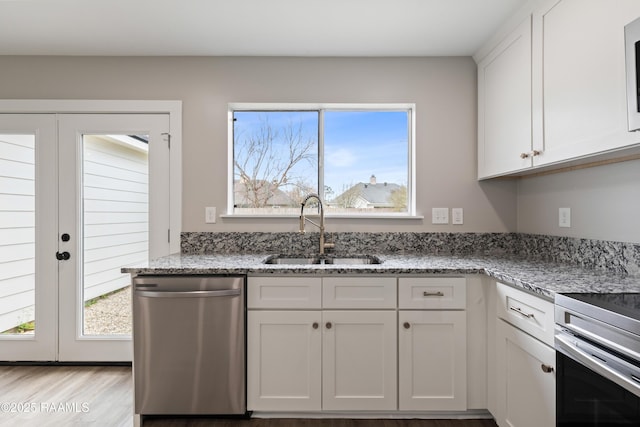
{"points": [[443, 89], [604, 202]]}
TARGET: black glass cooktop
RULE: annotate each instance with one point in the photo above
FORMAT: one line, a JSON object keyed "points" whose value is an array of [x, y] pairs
{"points": [[626, 304], [621, 310]]}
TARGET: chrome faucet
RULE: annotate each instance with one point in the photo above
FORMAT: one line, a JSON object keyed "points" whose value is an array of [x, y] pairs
{"points": [[323, 245]]}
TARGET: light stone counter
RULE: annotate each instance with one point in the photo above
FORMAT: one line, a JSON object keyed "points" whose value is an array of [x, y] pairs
{"points": [[542, 278]]}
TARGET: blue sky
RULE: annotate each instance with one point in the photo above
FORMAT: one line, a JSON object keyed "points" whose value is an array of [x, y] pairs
{"points": [[357, 144]]}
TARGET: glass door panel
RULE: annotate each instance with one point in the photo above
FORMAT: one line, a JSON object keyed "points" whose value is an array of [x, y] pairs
{"points": [[28, 276], [115, 200], [17, 233]]}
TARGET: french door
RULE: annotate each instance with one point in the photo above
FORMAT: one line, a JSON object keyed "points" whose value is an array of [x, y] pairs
{"points": [[76, 196]]}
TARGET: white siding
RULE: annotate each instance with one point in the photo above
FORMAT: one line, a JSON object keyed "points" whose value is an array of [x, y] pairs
{"points": [[17, 229], [116, 210]]}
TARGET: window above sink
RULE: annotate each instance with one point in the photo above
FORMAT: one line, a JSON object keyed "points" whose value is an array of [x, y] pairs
{"points": [[358, 157]]}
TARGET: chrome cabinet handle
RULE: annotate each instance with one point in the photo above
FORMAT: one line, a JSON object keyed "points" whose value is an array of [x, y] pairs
{"points": [[547, 369], [533, 153], [432, 294], [522, 313]]}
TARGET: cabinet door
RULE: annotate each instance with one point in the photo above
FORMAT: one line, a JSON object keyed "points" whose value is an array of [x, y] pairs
{"points": [[284, 360], [579, 77], [432, 360], [525, 392], [359, 354], [504, 105]]}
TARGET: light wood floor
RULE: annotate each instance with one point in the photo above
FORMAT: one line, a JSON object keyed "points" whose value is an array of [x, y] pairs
{"points": [[97, 396]]}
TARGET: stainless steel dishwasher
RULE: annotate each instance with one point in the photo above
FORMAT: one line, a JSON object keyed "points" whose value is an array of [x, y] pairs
{"points": [[189, 345]]}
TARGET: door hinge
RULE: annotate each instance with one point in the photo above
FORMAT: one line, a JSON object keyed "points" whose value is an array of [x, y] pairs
{"points": [[168, 138]]}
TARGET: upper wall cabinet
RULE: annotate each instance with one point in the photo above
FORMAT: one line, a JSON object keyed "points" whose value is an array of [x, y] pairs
{"points": [[504, 110], [578, 93]]}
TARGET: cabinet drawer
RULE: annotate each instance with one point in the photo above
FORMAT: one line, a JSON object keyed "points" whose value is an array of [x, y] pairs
{"points": [[284, 292], [359, 292], [532, 314], [432, 292]]}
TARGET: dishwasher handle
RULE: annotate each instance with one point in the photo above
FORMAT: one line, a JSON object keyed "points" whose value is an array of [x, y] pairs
{"points": [[189, 294]]}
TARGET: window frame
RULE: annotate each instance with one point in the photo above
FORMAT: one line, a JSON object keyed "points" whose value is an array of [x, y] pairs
{"points": [[410, 108]]}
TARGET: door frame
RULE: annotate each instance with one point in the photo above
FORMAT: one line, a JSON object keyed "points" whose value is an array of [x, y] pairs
{"points": [[173, 108]]}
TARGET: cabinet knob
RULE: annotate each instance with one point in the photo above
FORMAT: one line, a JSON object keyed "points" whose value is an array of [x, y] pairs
{"points": [[315, 325], [536, 153], [328, 325], [524, 155], [546, 368], [406, 325]]}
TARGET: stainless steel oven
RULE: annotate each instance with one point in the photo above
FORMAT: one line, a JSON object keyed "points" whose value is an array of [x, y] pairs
{"points": [[597, 359], [632, 55]]}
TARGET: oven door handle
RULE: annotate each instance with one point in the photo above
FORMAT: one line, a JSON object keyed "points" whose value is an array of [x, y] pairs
{"points": [[596, 360]]}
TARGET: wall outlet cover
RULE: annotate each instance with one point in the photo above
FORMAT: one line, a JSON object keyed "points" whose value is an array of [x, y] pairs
{"points": [[457, 216], [210, 215], [564, 217]]}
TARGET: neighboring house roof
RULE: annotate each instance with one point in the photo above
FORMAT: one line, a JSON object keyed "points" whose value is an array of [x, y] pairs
{"points": [[273, 195], [376, 195]]}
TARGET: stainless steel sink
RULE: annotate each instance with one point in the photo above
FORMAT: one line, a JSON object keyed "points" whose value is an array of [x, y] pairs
{"points": [[326, 259]]}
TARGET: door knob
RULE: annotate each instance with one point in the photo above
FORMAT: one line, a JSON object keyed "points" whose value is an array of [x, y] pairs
{"points": [[63, 256], [65, 237]]}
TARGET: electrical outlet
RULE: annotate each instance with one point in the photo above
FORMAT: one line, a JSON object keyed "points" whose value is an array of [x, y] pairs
{"points": [[210, 215], [457, 216], [564, 217], [440, 216]]}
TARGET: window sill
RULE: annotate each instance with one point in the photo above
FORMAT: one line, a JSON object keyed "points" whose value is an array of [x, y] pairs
{"points": [[364, 216]]}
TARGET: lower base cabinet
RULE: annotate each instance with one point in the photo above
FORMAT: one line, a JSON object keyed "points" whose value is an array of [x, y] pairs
{"points": [[433, 360], [359, 360], [284, 360], [525, 379], [357, 348], [313, 360]]}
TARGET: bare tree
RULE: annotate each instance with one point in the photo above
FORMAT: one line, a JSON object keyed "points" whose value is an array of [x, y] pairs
{"points": [[349, 196], [265, 161], [398, 199]]}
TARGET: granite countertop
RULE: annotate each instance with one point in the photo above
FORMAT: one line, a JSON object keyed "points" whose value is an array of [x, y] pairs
{"points": [[542, 278]]}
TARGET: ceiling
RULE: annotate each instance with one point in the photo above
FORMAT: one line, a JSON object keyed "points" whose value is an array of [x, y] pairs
{"points": [[250, 27]]}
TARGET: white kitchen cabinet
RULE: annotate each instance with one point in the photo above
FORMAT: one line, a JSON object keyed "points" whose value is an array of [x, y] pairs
{"points": [[305, 359], [552, 92], [284, 363], [524, 364], [432, 361], [525, 379], [504, 105], [579, 77], [359, 359]]}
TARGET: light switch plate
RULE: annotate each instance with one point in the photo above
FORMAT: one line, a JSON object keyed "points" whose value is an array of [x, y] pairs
{"points": [[564, 217], [440, 216], [210, 215], [457, 216]]}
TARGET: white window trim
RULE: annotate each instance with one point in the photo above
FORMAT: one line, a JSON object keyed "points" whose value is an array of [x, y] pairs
{"points": [[283, 106], [173, 108]]}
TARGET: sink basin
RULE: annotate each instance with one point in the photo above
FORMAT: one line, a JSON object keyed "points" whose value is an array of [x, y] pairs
{"points": [[326, 259]]}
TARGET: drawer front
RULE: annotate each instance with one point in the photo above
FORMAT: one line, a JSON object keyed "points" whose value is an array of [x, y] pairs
{"points": [[284, 292], [432, 293], [359, 292], [532, 314]]}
